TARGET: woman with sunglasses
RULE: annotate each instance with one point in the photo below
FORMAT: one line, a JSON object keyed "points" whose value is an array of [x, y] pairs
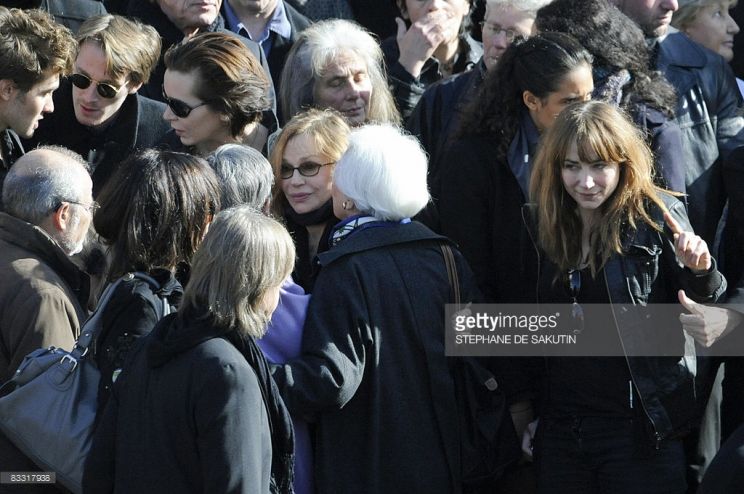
{"points": [[607, 235], [216, 93], [303, 159], [98, 113]]}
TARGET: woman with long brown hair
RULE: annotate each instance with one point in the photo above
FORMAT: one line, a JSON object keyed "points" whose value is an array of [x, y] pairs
{"points": [[609, 236]]}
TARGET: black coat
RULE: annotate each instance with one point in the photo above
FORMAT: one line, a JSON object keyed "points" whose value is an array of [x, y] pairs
{"points": [[186, 415], [384, 419], [69, 13], [10, 150], [138, 125]]}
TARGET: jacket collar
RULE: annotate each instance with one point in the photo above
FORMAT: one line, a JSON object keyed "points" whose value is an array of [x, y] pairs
{"points": [[675, 48], [379, 237]]}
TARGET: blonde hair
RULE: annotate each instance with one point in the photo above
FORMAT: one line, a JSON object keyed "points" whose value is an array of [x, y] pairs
{"points": [[328, 131], [244, 254], [131, 48], [318, 46], [689, 10], [601, 132]]}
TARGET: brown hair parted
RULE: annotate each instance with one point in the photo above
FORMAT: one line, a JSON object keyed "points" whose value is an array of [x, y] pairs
{"points": [[230, 79], [328, 130], [155, 210], [600, 131], [33, 47], [131, 48], [244, 256]]}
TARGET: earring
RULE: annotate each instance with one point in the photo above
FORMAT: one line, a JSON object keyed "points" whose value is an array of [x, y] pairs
{"points": [[346, 205]]}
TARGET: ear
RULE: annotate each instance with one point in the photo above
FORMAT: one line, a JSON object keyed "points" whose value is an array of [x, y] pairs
{"points": [[133, 88], [61, 217], [7, 89], [531, 101], [224, 118]]}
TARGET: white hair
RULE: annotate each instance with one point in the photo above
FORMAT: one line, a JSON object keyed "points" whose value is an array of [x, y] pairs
{"points": [[527, 6], [386, 181]]}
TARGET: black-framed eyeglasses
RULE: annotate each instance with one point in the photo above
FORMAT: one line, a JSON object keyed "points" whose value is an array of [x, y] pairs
{"points": [[494, 29], [574, 287], [307, 169], [104, 89], [178, 107], [91, 207]]}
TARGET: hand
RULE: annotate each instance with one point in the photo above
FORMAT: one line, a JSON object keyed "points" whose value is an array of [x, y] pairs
{"points": [[691, 250], [418, 43], [705, 323], [528, 438]]}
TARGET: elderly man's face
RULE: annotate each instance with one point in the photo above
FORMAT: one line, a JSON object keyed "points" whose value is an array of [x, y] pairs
{"points": [[189, 15], [653, 16], [500, 27]]}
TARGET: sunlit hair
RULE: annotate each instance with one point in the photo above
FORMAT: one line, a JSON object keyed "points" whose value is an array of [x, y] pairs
{"points": [[527, 6], [601, 132], [688, 11], [244, 255], [328, 131], [315, 49], [33, 47], [384, 172], [229, 78], [155, 209], [245, 176], [130, 47]]}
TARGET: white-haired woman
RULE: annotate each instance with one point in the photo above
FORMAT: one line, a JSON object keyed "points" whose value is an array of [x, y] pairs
{"points": [[195, 409], [337, 64], [384, 411]]}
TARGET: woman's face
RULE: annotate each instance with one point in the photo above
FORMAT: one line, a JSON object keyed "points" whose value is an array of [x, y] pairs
{"points": [[203, 128], [346, 87], [714, 28], [306, 194], [576, 86], [590, 183]]}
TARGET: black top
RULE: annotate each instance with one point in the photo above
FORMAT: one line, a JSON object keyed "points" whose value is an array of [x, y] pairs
{"points": [[587, 386]]}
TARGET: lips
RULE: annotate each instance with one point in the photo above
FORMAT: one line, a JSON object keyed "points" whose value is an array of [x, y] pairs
{"points": [[299, 197]]}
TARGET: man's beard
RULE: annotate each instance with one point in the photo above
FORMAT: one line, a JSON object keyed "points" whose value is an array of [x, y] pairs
{"points": [[65, 240]]}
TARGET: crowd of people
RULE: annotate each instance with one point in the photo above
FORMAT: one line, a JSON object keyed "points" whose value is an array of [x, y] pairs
{"points": [[303, 186]]}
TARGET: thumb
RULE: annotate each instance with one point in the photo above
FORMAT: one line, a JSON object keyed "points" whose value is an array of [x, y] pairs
{"points": [[401, 28], [688, 303]]}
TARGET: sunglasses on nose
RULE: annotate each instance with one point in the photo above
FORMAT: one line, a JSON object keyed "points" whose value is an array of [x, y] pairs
{"points": [[308, 169], [104, 89], [178, 107]]}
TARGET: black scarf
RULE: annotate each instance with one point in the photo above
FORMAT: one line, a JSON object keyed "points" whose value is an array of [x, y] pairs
{"points": [[320, 215]]}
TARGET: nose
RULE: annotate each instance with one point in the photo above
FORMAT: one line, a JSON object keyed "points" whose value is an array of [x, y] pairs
{"points": [[168, 114], [733, 26], [586, 180], [353, 91], [672, 5], [48, 104], [500, 40], [296, 178], [436, 5]]}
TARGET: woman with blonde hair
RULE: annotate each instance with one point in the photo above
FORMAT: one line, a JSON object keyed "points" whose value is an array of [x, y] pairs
{"points": [[607, 235], [303, 159], [337, 64], [195, 409]]}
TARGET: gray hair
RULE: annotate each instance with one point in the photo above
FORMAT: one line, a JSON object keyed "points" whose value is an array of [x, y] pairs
{"points": [[39, 181], [245, 176], [688, 11], [526, 6], [243, 255], [316, 47], [387, 182]]}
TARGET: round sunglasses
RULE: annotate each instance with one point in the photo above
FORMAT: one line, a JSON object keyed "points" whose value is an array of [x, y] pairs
{"points": [[104, 89]]}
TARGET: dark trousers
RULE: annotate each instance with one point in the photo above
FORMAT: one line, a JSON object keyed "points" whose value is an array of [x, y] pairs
{"points": [[601, 455]]}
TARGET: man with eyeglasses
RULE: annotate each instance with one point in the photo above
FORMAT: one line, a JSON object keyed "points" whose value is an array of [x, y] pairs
{"points": [[99, 113], [34, 52], [438, 114], [43, 294]]}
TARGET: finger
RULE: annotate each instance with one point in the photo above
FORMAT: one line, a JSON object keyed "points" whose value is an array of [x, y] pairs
{"points": [[402, 29], [689, 304], [683, 243], [672, 223], [692, 320]]}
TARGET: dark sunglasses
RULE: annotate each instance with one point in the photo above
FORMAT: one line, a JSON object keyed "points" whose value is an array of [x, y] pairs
{"points": [[104, 89], [178, 107], [307, 169]]}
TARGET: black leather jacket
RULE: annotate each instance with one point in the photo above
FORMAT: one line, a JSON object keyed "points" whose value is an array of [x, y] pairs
{"points": [[648, 272]]}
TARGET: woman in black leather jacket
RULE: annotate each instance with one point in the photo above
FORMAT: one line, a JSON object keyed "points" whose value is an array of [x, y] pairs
{"points": [[612, 243]]}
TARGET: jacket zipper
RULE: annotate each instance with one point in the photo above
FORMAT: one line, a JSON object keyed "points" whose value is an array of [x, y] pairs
{"points": [[657, 435]]}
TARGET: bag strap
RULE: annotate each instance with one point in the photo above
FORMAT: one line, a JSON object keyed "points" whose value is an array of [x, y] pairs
{"points": [[454, 279]]}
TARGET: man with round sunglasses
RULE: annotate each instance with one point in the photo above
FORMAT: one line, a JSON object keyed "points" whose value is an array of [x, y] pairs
{"points": [[34, 52], [100, 115]]}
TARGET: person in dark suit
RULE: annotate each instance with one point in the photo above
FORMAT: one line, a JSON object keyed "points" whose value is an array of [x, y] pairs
{"points": [[99, 113], [274, 24], [69, 13]]}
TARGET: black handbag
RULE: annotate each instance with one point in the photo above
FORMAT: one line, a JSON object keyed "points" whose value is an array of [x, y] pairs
{"points": [[48, 408]]}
